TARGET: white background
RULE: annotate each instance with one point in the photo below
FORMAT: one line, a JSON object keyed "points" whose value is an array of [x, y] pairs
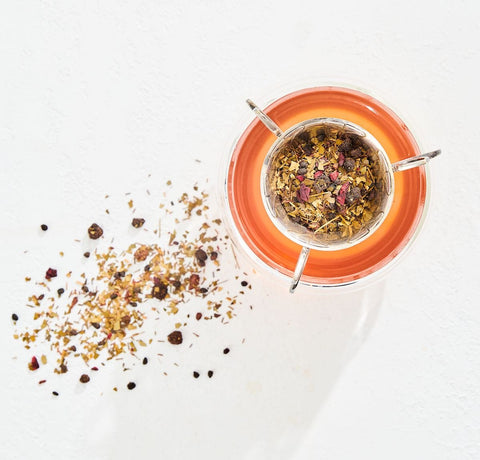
{"points": [[96, 95]]}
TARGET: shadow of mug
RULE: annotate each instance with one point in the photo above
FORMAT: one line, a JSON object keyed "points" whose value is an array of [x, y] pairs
{"points": [[263, 400]]}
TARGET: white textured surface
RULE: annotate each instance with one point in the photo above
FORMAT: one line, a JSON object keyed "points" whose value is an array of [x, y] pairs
{"points": [[96, 95]]}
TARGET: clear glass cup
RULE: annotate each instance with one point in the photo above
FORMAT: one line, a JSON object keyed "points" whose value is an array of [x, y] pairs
{"points": [[245, 239]]}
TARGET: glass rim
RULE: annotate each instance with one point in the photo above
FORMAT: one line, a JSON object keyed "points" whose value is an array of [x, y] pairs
{"points": [[239, 242]]}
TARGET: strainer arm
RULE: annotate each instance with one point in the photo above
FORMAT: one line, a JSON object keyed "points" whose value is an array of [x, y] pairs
{"points": [[302, 260], [413, 162]]}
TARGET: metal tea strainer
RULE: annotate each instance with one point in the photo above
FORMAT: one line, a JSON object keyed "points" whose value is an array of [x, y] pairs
{"points": [[317, 241]]}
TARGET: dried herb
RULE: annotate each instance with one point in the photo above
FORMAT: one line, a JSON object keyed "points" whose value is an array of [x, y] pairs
{"points": [[322, 180], [95, 231], [99, 316]]}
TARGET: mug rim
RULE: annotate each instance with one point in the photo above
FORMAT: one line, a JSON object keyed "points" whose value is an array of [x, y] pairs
{"points": [[234, 206]]}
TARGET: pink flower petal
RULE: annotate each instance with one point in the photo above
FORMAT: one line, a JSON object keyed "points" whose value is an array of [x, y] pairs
{"points": [[300, 178], [341, 159], [342, 194], [317, 174], [333, 176], [303, 193]]}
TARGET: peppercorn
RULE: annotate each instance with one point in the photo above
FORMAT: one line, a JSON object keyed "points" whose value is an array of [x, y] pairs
{"points": [[226, 351], [54, 393], [95, 231], [356, 153], [210, 374], [131, 385], [346, 145], [159, 291], [244, 283], [198, 316], [44, 227], [84, 378], [196, 374], [138, 222], [86, 254], [60, 291], [349, 164], [14, 317], [213, 255], [145, 361], [175, 338]]}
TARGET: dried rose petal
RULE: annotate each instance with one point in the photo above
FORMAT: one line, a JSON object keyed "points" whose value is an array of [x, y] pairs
{"points": [[33, 364], [342, 194], [341, 159], [317, 174], [303, 193], [333, 176], [300, 178], [51, 273]]}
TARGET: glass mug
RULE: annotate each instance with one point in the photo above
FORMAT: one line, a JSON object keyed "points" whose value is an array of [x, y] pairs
{"points": [[299, 234]]}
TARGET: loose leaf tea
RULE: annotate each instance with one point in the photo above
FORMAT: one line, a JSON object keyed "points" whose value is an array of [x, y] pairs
{"points": [[103, 313], [327, 182]]}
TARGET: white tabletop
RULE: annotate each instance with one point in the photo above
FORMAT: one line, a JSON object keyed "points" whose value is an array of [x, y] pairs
{"points": [[95, 96]]}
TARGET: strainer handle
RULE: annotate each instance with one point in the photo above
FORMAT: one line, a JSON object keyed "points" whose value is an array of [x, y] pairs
{"points": [[413, 162], [265, 119], [302, 260]]}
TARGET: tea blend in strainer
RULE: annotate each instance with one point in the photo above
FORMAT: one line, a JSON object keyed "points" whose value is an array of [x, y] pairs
{"points": [[327, 184]]}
